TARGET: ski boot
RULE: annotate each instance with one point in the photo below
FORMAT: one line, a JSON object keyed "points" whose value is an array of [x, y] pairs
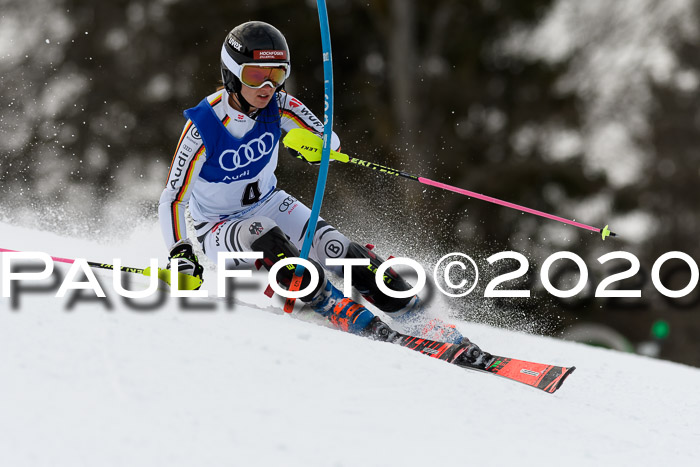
{"points": [[346, 314], [407, 311]]}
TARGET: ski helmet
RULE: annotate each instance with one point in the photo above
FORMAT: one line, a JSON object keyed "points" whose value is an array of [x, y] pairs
{"points": [[251, 42]]}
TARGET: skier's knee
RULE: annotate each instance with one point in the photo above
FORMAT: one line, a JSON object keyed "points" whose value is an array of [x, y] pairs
{"points": [[363, 278], [251, 230], [275, 245], [329, 243]]}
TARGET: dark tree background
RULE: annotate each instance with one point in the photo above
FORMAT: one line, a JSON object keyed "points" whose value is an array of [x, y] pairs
{"points": [[582, 109]]}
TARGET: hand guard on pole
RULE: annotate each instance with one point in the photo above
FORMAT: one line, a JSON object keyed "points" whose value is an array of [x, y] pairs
{"points": [[313, 154]]}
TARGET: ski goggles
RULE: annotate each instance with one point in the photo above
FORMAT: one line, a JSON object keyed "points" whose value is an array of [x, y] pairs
{"points": [[256, 76]]}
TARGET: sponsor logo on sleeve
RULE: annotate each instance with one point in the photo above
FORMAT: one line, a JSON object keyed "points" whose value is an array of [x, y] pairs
{"points": [[178, 170], [306, 113]]}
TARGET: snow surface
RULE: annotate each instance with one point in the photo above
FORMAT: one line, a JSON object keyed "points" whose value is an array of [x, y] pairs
{"points": [[92, 386]]}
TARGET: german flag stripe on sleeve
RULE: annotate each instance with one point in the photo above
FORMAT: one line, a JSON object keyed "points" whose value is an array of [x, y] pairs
{"points": [[177, 203], [299, 121], [176, 222], [216, 101], [179, 143]]}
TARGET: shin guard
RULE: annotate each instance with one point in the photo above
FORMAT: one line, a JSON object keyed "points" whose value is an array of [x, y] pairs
{"points": [[363, 278], [275, 246]]}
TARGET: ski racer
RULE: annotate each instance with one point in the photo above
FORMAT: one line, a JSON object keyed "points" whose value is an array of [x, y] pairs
{"points": [[224, 170]]}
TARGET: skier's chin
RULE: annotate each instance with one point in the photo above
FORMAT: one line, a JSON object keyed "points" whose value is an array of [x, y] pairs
{"points": [[261, 102]]}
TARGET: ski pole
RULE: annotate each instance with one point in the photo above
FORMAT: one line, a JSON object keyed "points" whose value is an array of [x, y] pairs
{"points": [[325, 147], [309, 145], [185, 281]]}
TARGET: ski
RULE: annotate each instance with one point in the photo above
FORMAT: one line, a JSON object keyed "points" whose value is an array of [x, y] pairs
{"points": [[546, 377], [541, 376]]}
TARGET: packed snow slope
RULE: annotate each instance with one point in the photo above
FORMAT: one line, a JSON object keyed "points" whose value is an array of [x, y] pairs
{"points": [[86, 384]]}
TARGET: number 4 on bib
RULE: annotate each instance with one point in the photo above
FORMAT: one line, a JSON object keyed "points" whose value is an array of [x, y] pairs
{"points": [[251, 194]]}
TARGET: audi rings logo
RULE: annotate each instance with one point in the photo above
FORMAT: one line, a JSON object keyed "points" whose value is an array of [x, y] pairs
{"points": [[252, 151], [286, 203]]}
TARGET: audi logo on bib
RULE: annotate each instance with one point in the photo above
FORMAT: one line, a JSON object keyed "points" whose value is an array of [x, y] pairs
{"points": [[252, 151]]}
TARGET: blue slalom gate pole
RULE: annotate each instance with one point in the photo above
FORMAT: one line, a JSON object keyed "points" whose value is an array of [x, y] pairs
{"points": [[325, 153]]}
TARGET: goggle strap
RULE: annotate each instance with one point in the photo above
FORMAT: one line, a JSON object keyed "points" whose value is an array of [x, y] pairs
{"points": [[230, 63]]}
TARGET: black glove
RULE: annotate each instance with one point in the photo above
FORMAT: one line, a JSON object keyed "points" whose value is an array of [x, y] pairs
{"points": [[299, 155], [187, 260]]}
